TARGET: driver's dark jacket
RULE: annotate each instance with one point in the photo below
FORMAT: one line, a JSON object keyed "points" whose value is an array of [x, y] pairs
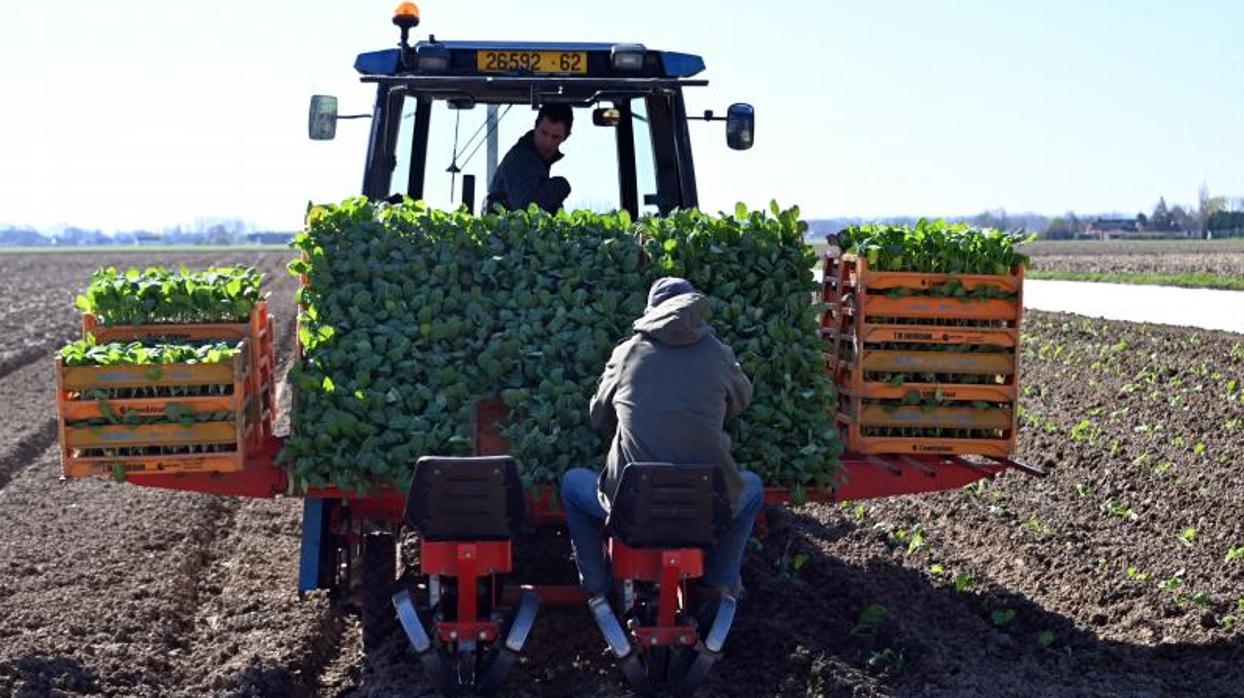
{"points": [[665, 395], [523, 177]]}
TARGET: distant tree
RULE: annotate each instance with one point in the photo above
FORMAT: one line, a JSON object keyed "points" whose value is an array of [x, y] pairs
{"points": [[1183, 220], [1207, 206], [1058, 229], [1226, 220], [1064, 227], [1143, 220], [992, 219], [22, 237], [1161, 218]]}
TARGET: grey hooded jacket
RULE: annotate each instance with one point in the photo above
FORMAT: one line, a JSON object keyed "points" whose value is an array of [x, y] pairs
{"points": [[523, 177], [666, 393]]}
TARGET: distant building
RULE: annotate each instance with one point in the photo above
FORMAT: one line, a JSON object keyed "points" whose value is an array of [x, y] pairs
{"points": [[270, 238], [1109, 228]]}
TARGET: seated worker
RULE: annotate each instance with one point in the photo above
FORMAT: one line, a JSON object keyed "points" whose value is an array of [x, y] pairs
{"points": [[664, 397], [523, 175]]}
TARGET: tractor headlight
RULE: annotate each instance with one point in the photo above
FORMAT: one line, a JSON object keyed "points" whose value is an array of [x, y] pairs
{"points": [[628, 58], [432, 57]]}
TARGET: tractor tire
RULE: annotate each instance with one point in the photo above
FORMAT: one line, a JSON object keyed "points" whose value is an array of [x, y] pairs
{"points": [[378, 575]]}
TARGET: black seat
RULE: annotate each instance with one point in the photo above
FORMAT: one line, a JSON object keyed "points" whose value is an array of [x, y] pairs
{"points": [[466, 499], [663, 505]]}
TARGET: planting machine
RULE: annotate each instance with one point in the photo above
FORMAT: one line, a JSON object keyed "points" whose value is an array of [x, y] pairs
{"points": [[468, 610]]}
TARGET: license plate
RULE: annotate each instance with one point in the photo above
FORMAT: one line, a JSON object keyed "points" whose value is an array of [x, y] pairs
{"points": [[573, 62]]}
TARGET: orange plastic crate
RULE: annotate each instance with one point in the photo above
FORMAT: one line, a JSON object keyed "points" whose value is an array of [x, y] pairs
{"points": [[245, 429], [259, 331], [858, 442], [854, 295]]}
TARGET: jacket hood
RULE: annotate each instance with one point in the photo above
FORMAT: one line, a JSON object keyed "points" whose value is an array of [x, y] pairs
{"points": [[530, 141], [678, 321]]}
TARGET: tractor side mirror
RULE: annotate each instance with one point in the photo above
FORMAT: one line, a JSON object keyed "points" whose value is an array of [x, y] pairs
{"points": [[606, 116], [322, 118], [740, 126]]}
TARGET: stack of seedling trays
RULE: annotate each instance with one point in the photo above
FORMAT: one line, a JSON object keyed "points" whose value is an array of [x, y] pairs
{"points": [[925, 363], [155, 391]]}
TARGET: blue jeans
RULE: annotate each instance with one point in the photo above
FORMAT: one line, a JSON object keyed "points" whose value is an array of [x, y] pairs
{"points": [[585, 519]]}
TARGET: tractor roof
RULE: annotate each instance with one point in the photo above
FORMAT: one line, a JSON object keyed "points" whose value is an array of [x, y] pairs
{"points": [[464, 59], [525, 71]]}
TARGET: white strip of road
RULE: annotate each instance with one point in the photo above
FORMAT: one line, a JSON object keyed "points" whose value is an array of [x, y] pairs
{"points": [[1205, 308]]}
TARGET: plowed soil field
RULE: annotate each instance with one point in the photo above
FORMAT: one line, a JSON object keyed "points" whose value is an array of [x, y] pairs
{"points": [[1119, 574], [1219, 257]]}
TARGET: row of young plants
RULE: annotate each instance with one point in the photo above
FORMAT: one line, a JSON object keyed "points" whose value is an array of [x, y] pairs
{"points": [[158, 296], [936, 247], [411, 315], [88, 352]]}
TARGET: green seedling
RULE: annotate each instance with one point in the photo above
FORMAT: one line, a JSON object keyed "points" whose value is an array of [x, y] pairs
{"points": [[1045, 639], [887, 660], [1083, 490], [1085, 432], [1038, 526], [870, 620], [916, 541], [1188, 535], [963, 582], [1136, 575], [1003, 617], [1172, 583], [1235, 553], [1119, 509]]}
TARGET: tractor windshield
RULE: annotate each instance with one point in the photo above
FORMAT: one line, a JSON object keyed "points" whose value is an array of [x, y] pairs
{"points": [[457, 146]]}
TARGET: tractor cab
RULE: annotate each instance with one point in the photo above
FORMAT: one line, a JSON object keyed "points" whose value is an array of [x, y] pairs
{"points": [[439, 103]]}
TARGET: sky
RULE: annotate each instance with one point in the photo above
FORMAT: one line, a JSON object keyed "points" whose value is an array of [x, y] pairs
{"points": [[147, 113]]}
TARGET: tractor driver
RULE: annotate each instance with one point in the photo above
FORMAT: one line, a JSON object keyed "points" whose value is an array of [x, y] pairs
{"points": [[664, 397], [523, 175]]}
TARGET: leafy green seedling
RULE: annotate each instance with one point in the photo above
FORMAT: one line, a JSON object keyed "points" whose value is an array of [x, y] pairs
{"points": [[1172, 583], [1002, 618], [1119, 509], [870, 619]]}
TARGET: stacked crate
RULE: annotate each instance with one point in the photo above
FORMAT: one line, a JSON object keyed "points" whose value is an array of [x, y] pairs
{"points": [[243, 387], [922, 365]]}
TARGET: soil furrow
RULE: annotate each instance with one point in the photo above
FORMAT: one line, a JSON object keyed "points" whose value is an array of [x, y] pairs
{"points": [[16, 360], [25, 450]]}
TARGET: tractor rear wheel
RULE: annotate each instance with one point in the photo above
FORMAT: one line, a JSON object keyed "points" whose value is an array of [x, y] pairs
{"points": [[378, 575]]}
